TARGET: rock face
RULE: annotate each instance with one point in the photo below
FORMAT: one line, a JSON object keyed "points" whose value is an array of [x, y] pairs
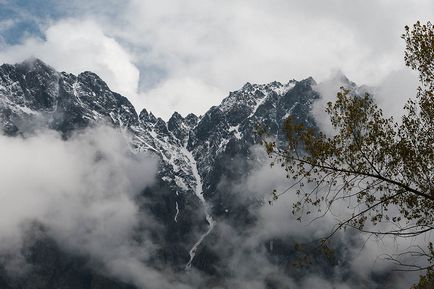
{"points": [[195, 155]]}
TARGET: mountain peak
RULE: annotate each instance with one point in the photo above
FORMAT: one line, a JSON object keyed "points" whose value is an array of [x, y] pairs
{"points": [[34, 64], [176, 115], [339, 77], [247, 86], [197, 156], [94, 80], [309, 81], [146, 116], [191, 119]]}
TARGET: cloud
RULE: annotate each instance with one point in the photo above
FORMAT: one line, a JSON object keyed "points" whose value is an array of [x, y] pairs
{"points": [[233, 40], [169, 56], [227, 43], [83, 192], [327, 90], [360, 259], [212, 47], [180, 94], [392, 94]]}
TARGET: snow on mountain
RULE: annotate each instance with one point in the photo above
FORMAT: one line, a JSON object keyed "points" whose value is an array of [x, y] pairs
{"points": [[192, 149]]}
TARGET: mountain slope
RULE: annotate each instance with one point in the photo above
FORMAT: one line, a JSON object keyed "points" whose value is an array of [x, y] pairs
{"points": [[198, 156]]}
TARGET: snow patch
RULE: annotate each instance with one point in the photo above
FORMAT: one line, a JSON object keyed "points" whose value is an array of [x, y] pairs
{"points": [[290, 111], [236, 131], [284, 88], [177, 212], [27, 110], [180, 183], [199, 194]]}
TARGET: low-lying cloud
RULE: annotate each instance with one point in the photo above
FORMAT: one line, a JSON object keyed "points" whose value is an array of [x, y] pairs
{"points": [[83, 192], [360, 260]]}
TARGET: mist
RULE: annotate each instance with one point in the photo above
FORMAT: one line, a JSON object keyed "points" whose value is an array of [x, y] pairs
{"points": [[83, 192], [263, 254]]}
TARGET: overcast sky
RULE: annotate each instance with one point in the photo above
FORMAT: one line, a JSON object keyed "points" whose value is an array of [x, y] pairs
{"points": [[187, 55]]}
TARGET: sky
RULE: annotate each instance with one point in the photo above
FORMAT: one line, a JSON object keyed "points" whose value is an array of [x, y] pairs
{"points": [[186, 56]]}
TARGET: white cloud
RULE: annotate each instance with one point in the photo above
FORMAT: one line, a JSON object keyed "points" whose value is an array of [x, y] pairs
{"points": [[392, 94], [6, 24], [362, 257], [185, 95], [219, 46], [82, 191], [198, 50], [227, 43]]}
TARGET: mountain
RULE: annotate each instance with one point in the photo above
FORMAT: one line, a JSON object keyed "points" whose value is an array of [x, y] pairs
{"points": [[199, 156]]}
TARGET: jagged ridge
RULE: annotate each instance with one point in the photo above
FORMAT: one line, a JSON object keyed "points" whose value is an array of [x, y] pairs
{"points": [[193, 150]]}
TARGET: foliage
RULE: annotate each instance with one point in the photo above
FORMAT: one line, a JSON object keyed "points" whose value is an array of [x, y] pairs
{"points": [[381, 169], [426, 282]]}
